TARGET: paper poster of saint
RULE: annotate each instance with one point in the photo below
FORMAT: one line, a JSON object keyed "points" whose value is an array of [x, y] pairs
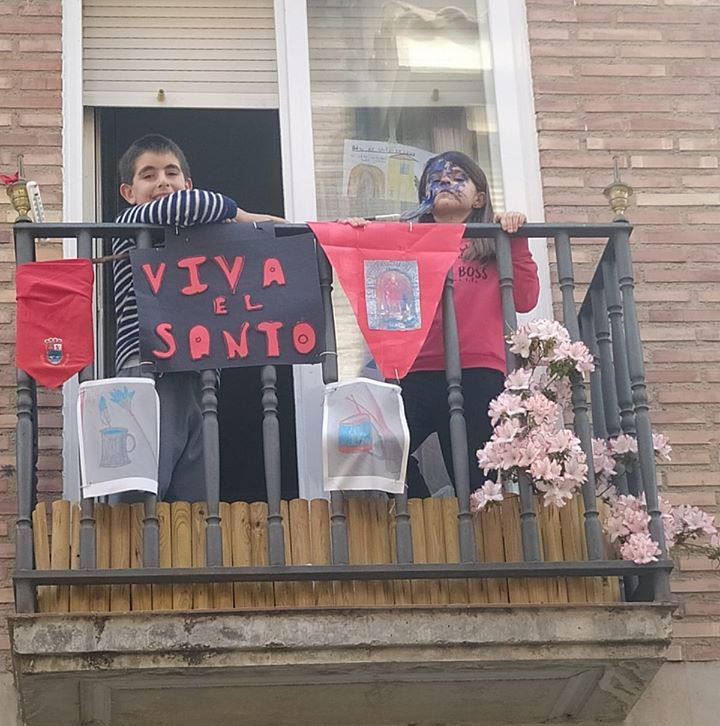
{"points": [[365, 436], [119, 425], [392, 294]]}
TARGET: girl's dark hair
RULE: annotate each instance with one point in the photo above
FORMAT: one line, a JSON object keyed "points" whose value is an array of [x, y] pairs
{"points": [[478, 248], [152, 142]]}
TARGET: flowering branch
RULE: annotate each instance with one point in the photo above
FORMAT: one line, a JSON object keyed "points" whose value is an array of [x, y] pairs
{"points": [[529, 438]]}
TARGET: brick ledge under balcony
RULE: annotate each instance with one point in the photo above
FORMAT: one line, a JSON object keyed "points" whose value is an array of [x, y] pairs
{"points": [[420, 665]]}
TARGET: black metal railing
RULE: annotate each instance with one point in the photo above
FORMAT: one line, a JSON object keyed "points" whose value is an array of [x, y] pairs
{"points": [[607, 322]]}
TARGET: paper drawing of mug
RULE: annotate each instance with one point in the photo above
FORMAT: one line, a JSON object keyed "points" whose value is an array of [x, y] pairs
{"points": [[355, 434], [117, 443]]}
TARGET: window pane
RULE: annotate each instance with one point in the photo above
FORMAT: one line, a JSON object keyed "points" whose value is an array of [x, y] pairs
{"points": [[392, 84]]}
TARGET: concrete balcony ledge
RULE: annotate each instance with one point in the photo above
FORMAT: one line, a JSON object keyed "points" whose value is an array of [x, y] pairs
{"points": [[421, 665]]}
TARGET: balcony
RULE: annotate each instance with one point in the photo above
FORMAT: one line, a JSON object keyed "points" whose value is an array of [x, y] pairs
{"points": [[348, 610]]}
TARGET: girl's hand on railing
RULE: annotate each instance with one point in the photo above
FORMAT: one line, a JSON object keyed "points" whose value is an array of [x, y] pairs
{"points": [[354, 221], [510, 221]]}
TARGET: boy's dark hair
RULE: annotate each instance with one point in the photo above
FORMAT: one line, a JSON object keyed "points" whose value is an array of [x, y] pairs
{"points": [[151, 142], [478, 248]]}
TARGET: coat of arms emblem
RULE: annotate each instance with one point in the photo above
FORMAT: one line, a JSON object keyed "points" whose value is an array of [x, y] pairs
{"points": [[54, 350]]}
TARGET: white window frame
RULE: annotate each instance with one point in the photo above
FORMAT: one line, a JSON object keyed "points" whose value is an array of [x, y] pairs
{"points": [[518, 152]]}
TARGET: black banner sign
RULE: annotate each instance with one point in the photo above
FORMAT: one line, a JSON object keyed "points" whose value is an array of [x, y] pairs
{"points": [[226, 295]]}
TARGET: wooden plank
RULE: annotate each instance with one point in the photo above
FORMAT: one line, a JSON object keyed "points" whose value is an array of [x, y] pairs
{"points": [[140, 595], [553, 551], [285, 591], [79, 594], [377, 588], [263, 596], [379, 546], [320, 548], [241, 551], [181, 544], [223, 591], [300, 554], [402, 589], [100, 594], [419, 589], [435, 546], [356, 546], [512, 539], [457, 589], [477, 588], [46, 594], [120, 555], [610, 585], [494, 548], [572, 550], [60, 551], [162, 595], [202, 594]]}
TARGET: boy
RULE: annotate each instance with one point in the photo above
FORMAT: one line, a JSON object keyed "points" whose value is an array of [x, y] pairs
{"points": [[155, 180]]}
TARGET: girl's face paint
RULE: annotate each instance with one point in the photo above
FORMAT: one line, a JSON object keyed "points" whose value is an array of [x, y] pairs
{"points": [[449, 189]]}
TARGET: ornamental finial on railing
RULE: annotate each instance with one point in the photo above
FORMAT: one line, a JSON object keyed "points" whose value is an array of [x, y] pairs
{"points": [[16, 187], [618, 194]]}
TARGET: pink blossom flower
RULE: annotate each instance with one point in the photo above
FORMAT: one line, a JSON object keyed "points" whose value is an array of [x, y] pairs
{"points": [[662, 447], [623, 444], [489, 492], [696, 520], [545, 469], [576, 469], [520, 343], [506, 404], [640, 548], [518, 380], [556, 496]]}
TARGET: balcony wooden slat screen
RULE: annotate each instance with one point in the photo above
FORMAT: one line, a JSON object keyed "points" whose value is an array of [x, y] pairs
{"points": [[371, 536], [219, 54]]}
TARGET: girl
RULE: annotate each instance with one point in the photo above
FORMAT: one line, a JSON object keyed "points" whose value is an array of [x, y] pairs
{"points": [[454, 189]]}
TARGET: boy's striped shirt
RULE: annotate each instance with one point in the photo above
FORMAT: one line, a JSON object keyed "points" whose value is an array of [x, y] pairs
{"points": [[184, 208]]}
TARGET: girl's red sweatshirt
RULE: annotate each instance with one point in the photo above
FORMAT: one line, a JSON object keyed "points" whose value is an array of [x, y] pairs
{"points": [[479, 311]]}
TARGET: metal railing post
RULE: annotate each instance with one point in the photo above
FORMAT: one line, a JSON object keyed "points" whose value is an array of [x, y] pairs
{"points": [[646, 452], [25, 594], [620, 359], [211, 462], [271, 456], [88, 545], [528, 518], [593, 528], [338, 519], [458, 426], [151, 526]]}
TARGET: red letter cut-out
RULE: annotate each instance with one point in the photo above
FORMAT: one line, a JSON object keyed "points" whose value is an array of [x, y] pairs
{"points": [[154, 278], [219, 306], [164, 332], [234, 347], [271, 332], [191, 264], [273, 272], [199, 339], [304, 337], [250, 305], [231, 275]]}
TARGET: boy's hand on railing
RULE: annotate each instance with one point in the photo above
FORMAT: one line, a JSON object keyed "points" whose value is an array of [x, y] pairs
{"points": [[510, 221], [243, 216], [354, 221]]}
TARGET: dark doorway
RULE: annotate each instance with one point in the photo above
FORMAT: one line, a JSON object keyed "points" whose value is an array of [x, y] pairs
{"points": [[236, 152]]}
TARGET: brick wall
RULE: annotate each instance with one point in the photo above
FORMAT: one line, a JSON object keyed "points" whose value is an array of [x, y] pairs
{"points": [[634, 78], [30, 123], [640, 79]]}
